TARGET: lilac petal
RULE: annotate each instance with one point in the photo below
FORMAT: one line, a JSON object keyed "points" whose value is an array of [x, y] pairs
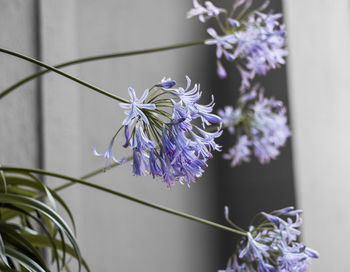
{"points": [[210, 42], [273, 219], [218, 52], [221, 70], [132, 94], [188, 82], [212, 32], [125, 105], [264, 5], [311, 253], [238, 3], [147, 106], [127, 136], [128, 120], [233, 22], [166, 84], [226, 212], [121, 161], [229, 56], [144, 96]]}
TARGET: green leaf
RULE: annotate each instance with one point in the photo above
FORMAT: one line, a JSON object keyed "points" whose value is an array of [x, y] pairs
{"points": [[29, 202], [43, 241], [37, 185], [3, 179], [25, 261], [12, 236], [2, 252]]}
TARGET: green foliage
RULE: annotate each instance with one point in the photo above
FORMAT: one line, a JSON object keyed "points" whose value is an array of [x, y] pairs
{"points": [[31, 227]]}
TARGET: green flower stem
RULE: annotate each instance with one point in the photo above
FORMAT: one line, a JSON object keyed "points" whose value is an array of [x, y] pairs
{"points": [[134, 199], [102, 170], [89, 175], [96, 89], [94, 58]]}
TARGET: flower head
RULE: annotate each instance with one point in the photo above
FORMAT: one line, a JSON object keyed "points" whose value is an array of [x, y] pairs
{"points": [[204, 12], [252, 38], [222, 43], [135, 106], [108, 155], [160, 129], [260, 125], [268, 247], [166, 83]]}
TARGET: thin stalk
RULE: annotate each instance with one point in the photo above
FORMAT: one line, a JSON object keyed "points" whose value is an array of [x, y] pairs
{"points": [[98, 57], [96, 89], [134, 199]]}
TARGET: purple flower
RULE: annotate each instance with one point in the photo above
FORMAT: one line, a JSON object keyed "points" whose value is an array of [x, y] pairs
{"points": [[134, 108], [270, 128], [153, 165], [204, 13], [233, 22], [256, 40], [141, 148], [260, 124], [246, 77], [188, 97], [254, 249], [166, 83], [288, 211], [267, 248], [222, 43], [240, 152], [239, 3], [220, 70], [261, 44], [229, 117], [167, 145], [108, 155], [204, 112]]}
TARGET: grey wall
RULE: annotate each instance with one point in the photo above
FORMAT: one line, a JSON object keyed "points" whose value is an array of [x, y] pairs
{"points": [[19, 134], [318, 66]]}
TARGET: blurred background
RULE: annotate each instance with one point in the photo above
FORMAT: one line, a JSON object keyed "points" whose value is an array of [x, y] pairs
{"points": [[52, 123]]}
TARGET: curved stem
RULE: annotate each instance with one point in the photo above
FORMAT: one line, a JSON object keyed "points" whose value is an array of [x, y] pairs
{"points": [[94, 58], [101, 170], [9, 52], [89, 175], [134, 199]]}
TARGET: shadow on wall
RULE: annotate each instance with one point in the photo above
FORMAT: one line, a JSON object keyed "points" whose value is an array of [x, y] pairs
{"points": [[251, 187]]}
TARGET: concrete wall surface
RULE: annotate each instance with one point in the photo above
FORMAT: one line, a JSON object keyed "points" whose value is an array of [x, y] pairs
{"points": [[318, 65], [19, 134]]}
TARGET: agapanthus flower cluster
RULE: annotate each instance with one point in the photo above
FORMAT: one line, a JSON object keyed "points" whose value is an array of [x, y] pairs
{"points": [[160, 130], [259, 125], [272, 245], [253, 39]]}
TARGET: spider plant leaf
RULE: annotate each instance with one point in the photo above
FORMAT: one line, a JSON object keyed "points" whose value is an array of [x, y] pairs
{"points": [[24, 260], [43, 241], [12, 236], [43, 208], [3, 180], [15, 181], [2, 252]]}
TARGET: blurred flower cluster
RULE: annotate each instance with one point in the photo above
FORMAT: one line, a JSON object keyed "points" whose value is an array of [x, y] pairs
{"points": [[260, 126], [272, 245], [254, 40]]}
